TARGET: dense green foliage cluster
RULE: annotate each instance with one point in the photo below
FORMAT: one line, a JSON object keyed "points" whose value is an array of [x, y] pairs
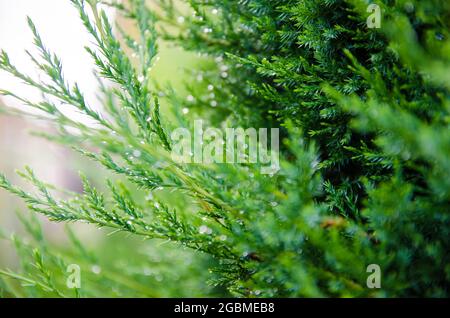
{"points": [[364, 113]]}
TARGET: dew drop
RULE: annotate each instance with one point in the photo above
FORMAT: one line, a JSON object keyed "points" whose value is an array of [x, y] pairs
{"points": [[204, 230], [440, 37], [96, 269], [207, 30], [137, 153], [409, 7]]}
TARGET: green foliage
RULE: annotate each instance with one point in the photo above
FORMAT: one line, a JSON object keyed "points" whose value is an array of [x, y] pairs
{"points": [[144, 271], [365, 120]]}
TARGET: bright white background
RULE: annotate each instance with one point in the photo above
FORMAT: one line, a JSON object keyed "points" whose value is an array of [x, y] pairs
{"points": [[62, 32]]}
